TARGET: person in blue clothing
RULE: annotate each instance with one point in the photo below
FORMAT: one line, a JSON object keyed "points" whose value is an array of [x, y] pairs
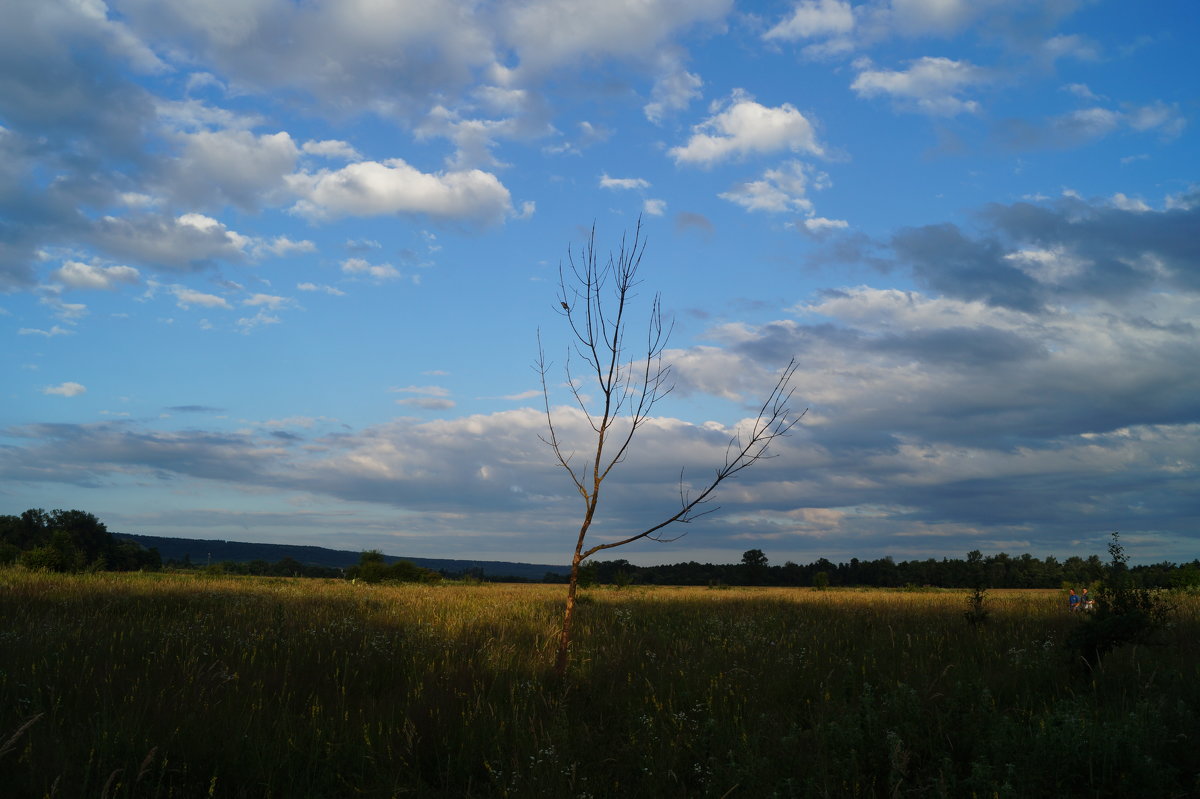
{"points": [[1073, 600]]}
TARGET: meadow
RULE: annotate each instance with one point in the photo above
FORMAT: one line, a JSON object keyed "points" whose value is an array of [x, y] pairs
{"points": [[187, 685]]}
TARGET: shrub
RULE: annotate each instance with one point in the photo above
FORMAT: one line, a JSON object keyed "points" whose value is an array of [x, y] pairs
{"points": [[1125, 613]]}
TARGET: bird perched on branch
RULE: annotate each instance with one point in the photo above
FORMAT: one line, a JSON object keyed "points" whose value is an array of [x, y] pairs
{"points": [[565, 306]]}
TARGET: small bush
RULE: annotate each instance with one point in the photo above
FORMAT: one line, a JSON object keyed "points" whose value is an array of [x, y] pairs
{"points": [[1125, 613]]}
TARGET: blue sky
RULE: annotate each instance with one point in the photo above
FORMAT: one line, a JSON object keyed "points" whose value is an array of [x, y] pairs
{"points": [[274, 271]]}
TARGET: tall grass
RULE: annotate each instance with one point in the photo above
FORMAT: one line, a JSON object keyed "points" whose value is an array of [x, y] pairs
{"points": [[145, 685]]}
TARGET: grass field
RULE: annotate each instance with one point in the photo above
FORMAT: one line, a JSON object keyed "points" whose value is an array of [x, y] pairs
{"points": [[162, 685]]}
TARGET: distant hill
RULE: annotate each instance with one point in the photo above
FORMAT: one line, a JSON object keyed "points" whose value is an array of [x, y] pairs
{"points": [[202, 551]]}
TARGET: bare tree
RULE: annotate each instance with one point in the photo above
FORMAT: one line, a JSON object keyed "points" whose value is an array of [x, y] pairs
{"points": [[594, 296]]}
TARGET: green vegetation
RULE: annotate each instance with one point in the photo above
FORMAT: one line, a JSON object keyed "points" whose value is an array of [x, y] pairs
{"points": [[189, 685], [373, 568], [68, 540], [1126, 613]]}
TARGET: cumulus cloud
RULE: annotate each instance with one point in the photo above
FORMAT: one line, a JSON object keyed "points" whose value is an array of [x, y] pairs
{"points": [[833, 28], [373, 188], [235, 167], [281, 245], [185, 298], [811, 18], [819, 225], [331, 148], [744, 127], [271, 301], [943, 17], [930, 85], [331, 290], [188, 242], [361, 267], [475, 137], [550, 34], [67, 389], [338, 53], [779, 190], [77, 275]]}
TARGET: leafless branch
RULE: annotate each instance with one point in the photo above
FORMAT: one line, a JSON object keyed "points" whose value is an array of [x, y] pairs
{"points": [[595, 295]]}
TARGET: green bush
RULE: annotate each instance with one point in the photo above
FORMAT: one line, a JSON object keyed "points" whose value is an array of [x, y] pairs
{"points": [[1125, 613]]}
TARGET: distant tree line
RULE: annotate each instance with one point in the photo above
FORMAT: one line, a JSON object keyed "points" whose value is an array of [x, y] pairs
{"points": [[994, 571], [373, 568], [73, 540], [284, 567], [69, 540]]}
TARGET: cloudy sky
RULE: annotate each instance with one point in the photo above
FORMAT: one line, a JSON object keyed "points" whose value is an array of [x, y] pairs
{"points": [[275, 271]]}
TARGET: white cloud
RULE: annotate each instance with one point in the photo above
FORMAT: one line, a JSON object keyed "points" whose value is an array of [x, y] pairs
{"points": [[359, 266], [138, 200], [331, 290], [271, 301], [929, 85], [1095, 122], [1081, 90], [779, 190], [433, 398], [372, 188], [1073, 46], [186, 298], [814, 18], [198, 81], [232, 166], [1054, 265], [281, 245], [77, 275], [745, 127], [331, 148], [654, 207], [623, 183], [522, 395], [474, 139], [672, 92], [1120, 200], [384, 56], [819, 224], [564, 32], [65, 390], [263, 317], [1085, 123], [188, 242], [54, 331], [941, 17], [1159, 116], [66, 311]]}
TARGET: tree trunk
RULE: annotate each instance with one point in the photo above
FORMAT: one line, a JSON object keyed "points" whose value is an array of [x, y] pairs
{"points": [[564, 638]]}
